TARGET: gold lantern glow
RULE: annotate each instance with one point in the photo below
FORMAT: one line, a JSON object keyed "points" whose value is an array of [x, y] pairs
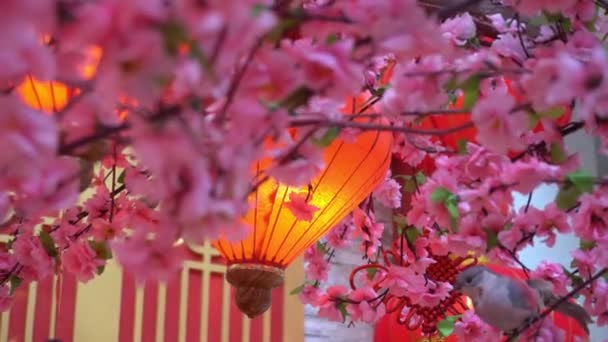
{"points": [[53, 96], [47, 96], [256, 264]]}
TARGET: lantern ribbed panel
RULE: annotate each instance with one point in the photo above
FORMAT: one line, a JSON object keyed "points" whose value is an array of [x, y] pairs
{"points": [[352, 171], [47, 96]]}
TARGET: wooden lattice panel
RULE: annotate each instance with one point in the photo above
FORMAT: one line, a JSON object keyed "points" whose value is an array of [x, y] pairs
{"points": [[196, 305]]}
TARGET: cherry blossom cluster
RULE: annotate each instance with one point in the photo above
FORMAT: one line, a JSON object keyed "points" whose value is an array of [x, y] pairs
{"points": [[174, 102]]}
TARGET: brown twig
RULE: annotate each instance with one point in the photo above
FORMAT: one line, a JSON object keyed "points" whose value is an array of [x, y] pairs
{"points": [[238, 76], [380, 127]]}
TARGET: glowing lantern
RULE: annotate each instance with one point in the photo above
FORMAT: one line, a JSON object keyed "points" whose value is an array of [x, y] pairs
{"points": [[47, 96], [388, 329], [442, 122], [256, 264], [53, 96], [447, 121]]}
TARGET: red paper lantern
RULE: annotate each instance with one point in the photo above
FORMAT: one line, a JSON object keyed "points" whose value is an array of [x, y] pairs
{"points": [[469, 134], [451, 140], [388, 330]]}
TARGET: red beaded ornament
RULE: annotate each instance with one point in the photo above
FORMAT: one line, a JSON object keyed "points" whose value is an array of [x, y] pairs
{"points": [[415, 316]]}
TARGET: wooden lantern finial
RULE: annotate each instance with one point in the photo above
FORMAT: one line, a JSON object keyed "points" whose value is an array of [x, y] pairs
{"points": [[254, 284]]}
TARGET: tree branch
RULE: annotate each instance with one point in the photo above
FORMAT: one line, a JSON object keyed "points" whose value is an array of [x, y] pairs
{"points": [[380, 127]]}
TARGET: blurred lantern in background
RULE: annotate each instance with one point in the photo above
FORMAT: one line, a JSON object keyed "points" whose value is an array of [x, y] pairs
{"points": [[53, 96], [352, 171], [46, 96]]}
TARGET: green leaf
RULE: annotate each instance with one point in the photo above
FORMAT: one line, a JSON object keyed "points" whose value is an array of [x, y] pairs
{"points": [[101, 249], [379, 92], [400, 223], [100, 269], [371, 272], [451, 85], [331, 39], [321, 247], [284, 25], [451, 204], [121, 177], [558, 155], [440, 194], [567, 196], [257, 9], [48, 244], [462, 146], [576, 280], [470, 87], [174, 35], [582, 179], [15, 282], [297, 290], [195, 103], [534, 119], [411, 234], [587, 245], [341, 306], [446, 325], [491, 239], [330, 135], [409, 186], [298, 97], [552, 113], [420, 178]]}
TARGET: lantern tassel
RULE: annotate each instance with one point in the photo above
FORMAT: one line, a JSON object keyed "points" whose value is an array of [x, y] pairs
{"points": [[254, 284]]}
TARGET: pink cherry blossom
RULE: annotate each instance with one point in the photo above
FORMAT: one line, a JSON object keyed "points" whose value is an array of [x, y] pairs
{"points": [[546, 331], [26, 134], [368, 308], [597, 304], [298, 170], [527, 175], [436, 292], [81, 260], [532, 7], [410, 93], [509, 45], [342, 234], [29, 252], [483, 163], [499, 129], [388, 193], [328, 303], [403, 281], [459, 29], [590, 220], [327, 66], [408, 148], [156, 259], [370, 230], [317, 267], [299, 206], [310, 294], [553, 273], [471, 328]]}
